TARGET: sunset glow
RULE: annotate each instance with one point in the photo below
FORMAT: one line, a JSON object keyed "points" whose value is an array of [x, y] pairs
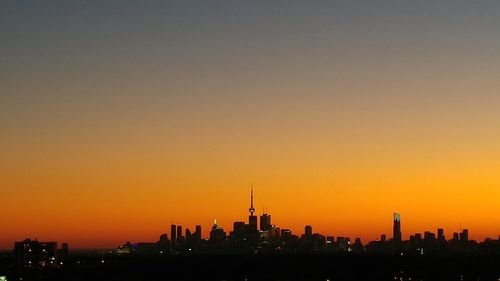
{"points": [[118, 120]]}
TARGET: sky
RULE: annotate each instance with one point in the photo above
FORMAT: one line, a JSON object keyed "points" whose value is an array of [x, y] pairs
{"points": [[119, 118]]}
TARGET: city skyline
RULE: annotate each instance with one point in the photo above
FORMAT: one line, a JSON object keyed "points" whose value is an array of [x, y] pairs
{"points": [[119, 118], [262, 221]]}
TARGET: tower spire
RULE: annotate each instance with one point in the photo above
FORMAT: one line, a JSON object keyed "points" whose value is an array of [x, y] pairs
{"points": [[252, 209]]}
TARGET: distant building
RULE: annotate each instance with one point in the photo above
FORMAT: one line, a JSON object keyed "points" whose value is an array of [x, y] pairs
{"points": [[239, 230], [265, 222], [141, 248], [163, 243], [358, 247], [308, 231], [418, 237], [286, 234], [277, 232], [197, 232], [344, 244], [179, 233], [397, 241], [429, 236], [330, 240], [396, 230], [62, 254], [383, 238], [164, 238], [173, 233], [217, 234], [441, 234], [464, 235], [32, 254]]}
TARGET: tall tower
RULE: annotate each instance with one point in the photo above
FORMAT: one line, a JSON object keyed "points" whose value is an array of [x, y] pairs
{"points": [[252, 219], [251, 209], [396, 230]]}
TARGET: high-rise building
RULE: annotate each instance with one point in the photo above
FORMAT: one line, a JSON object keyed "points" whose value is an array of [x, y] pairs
{"points": [[198, 232], [455, 236], [239, 227], [441, 234], [173, 233], [277, 232], [286, 234], [429, 236], [252, 219], [164, 238], [383, 238], [396, 230], [31, 254], [163, 244], [308, 231], [418, 237], [464, 235], [217, 234], [265, 222], [344, 244], [179, 233]]}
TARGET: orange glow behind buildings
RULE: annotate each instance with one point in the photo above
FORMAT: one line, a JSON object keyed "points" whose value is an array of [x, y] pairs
{"points": [[112, 130], [95, 186]]}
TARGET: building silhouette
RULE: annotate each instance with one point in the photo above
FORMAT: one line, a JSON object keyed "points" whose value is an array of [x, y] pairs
{"points": [[179, 234], [441, 234], [32, 254], [464, 235], [252, 219], [173, 233], [396, 229], [217, 235], [197, 232], [308, 231], [265, 222]]}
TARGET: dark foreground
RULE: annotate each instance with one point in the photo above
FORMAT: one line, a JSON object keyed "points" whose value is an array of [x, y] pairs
{"points": [[266, 267]]}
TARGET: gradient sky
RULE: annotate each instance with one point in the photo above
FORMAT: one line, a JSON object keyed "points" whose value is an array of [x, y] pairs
{"points": [[120, 117]]}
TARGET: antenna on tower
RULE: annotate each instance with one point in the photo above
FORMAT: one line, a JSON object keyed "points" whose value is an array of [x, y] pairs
{"points": [[251, 209]]}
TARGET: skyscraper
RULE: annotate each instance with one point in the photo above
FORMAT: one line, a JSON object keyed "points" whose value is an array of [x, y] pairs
{"points": [[179, 233], [252, 219], [441, 234], [308, 230], [198, 232], [265, 222], [217, 234], [396, 230], [173, 233], [464, 235]]}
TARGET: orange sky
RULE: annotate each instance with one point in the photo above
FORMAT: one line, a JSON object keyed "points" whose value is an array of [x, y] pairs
{"points": [[115, 125]]}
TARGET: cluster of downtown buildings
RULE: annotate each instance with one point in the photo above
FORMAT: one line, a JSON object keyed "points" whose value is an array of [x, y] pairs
{"points": [[261, 236]]}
